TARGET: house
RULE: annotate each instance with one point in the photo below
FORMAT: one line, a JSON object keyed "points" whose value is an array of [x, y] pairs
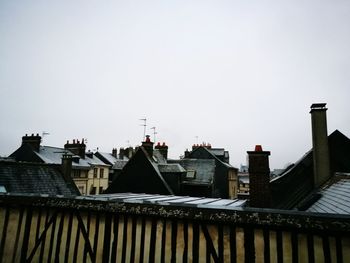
{"points": [[115, 161], [313, 181], [36, 178], [224, 180], [89, 173], [150, 171]]}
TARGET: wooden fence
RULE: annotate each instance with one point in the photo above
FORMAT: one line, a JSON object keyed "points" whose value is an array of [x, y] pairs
{"points": [[48, 229]]}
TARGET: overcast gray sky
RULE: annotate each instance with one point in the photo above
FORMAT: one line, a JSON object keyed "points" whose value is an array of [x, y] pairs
{"points": [[233, 73]]}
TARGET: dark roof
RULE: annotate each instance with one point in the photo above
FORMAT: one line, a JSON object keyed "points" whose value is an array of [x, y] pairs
{"points": [[35, 178], [107, 158], [119, 164], [158, 157], [205, 169], [334, 197], [202, 152], [139, 175], [171, 168], [294, 185]]}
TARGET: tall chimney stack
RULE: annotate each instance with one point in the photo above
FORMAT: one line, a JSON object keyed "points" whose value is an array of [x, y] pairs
{"points": [[259, 178], [76, 147], [320, 143], [148, 146], [67, 165], [163, 149], [32, 140]]}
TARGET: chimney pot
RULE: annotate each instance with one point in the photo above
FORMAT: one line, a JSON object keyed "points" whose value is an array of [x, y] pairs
{"points": [[258, 148]]}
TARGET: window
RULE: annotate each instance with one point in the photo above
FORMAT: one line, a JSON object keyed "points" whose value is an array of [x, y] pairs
{"points": [[93, 191], [100, 190], [76, 173], [101, 173], [95, 172], [191, 174]]}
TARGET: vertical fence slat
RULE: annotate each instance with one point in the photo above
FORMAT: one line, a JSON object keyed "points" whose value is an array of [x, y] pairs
{"points": [[310, 248], [115, 238], [24, 248], [233, 249], [18, 233], [59, 237], [295, 247], [173, 240], [69, 235], [339, 249], [279, 246], [163, 243], [195, 246], [4, 233], [107, 238], [153, 241]]}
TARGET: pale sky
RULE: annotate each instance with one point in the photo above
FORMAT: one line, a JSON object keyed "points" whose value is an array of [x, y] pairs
{"points": [[232, 73]]}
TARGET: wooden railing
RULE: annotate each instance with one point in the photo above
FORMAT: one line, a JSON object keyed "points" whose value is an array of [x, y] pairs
{"points": [[50, 229]]}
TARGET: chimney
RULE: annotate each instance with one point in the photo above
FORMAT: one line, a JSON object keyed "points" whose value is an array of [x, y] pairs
{"points": [[129, 152], [114, 152], [187, 154], [163, 149], [76, 147], [259, 178], [90, 154], [320, 143], [33, 141], [148, 145], [121, 153], [67, 165]]}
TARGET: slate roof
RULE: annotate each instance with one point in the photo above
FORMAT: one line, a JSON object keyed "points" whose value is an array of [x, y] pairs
{"points": [[295, 184], [119, 164], [108, 156], [200, 202], [53, 155], [171, 168], [334, 197], [158, 157], [205, 169], [93, 160], [35, 179], [217, 151]]}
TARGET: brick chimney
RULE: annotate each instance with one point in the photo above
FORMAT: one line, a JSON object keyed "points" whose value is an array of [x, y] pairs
{"points": [[33, 141], [121, 153], [76, 147], [67, 165], [163, 149], [320, 144], [148, 145], [114, 152], [259, 178], [129, 152], [187, 154]]}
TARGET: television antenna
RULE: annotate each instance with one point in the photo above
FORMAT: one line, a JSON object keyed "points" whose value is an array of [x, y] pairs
{"points": [[144, 127], [154, 133], [43, 134]]}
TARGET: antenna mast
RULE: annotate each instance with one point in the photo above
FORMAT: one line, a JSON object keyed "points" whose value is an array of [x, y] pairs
{"points": [[154, 133], [44, 133], [144, 127]]}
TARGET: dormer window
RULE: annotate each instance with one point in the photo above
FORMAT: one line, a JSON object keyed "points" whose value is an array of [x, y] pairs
{"points": [[2, 189], [191, 174]]}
